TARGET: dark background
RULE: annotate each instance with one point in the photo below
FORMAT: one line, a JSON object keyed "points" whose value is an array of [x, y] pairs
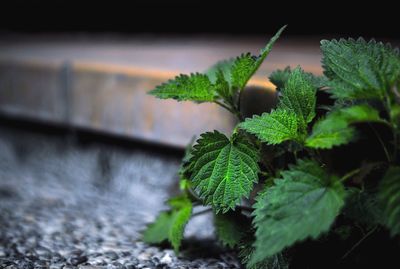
{"points": [[323, 18]]}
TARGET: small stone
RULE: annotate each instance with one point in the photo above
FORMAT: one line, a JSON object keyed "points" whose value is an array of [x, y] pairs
{"points": [[111, 255], [90, 267], [68, 267], [166, 259], [76, 260]]}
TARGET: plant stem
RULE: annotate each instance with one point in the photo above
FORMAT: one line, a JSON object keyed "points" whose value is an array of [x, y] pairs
{"points": [[359, 242], [381, 142], [202, 212], [234, 111], [245, 208], [350, 174], [395, 141], [193, 195]]}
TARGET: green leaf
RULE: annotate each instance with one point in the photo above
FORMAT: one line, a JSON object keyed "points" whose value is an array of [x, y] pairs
{"points": [[299, 96], [223, 88], [303, 204], [329, 132], [358, 69], [277, 261], [170, 225], [389, 196], [244, 66], [335, 129], [157, 232], [363, 207], [195, 87], [185, 163], [280, 77], [223, 66], [231, 227], [274, 127], [223, 170]]}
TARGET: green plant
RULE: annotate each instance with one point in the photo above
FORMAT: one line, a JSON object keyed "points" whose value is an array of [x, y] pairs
{"points": [[327, 169]]}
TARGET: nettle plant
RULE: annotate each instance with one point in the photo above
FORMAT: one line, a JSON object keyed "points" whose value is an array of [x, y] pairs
{"points": [[315, 178]]}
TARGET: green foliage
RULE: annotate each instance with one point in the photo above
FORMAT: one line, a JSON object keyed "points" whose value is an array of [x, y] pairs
{"points": [[298, 96], [389, 196], [296, 108], [363, 207], [274, 127], [273, 161], [277, 261], [231, 227], [304, 203], [170, 225], [335, 129], [196, 87], [224, 170], [244, 66], [358, 69], [280, 77]]}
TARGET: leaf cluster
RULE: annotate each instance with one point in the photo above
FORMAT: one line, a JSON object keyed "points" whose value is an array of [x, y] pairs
{"points": [[272, 184]]}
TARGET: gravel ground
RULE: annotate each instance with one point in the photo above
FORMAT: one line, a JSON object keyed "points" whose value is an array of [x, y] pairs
{"points": [[68, 206]]}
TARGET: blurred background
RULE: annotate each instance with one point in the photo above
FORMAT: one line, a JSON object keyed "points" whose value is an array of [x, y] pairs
{"points": [[89, 65], [86, 156]]}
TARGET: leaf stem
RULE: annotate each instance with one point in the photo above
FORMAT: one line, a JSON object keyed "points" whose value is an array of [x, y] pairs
{"points": [[359, 242], [193, 195], [350, 174], [202, 212], [381, 142], [245, 208], [233, 110]]}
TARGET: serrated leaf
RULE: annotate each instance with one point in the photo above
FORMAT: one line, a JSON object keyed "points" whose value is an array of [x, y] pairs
{"points": [[358, 69], [224, 67], [279, 78], [329, 132], [170, 225], [277, 261], [335, 129], [299, 96], [157, 232], [246, 65], [303, 204], [223, 170], [230, 227], [195, 87], [223, 88], [273, 128], [185, 163], [389, 196], [363, 207], [183, 210]]}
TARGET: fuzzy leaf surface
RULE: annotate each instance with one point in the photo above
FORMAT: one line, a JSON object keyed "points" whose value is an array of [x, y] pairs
{"points": [[358, 69], [303, 204], [299, 96], [335, 129], [230, 228], [273, 128], [244, 66], [389, 196], [194, 87], [223, 170], [280, 77]]}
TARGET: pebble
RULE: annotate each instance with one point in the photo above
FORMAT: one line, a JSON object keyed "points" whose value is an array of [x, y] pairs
{"points": [[166, 259], [60, 219]]}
